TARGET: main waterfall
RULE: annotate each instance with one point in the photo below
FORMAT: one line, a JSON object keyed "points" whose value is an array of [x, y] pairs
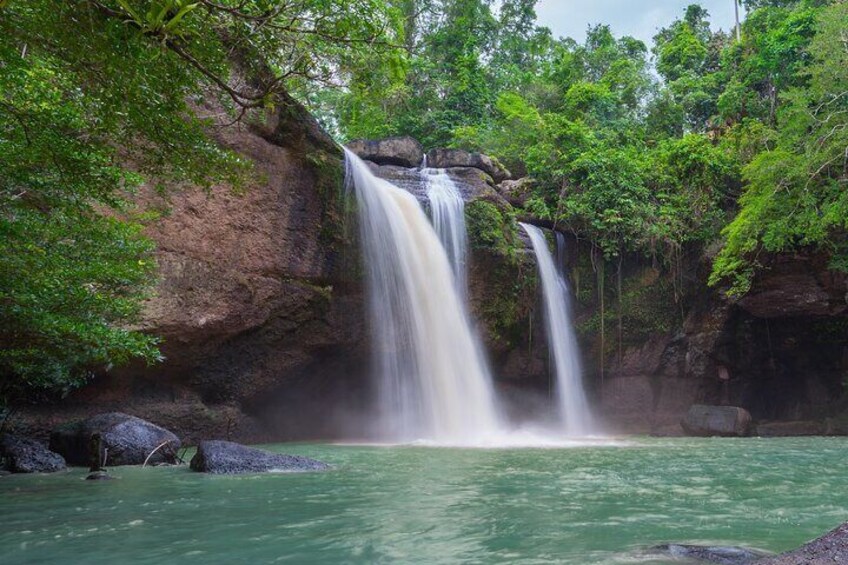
{"points": [[433, 382], [574, 410]]}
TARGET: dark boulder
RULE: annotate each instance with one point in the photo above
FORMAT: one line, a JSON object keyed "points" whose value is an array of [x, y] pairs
{"points": [[228, 458], [707, 421], [829, 549], [722, 555], [21, 455], [448, 158], [99, 476], [401, 151], [125, 440]]}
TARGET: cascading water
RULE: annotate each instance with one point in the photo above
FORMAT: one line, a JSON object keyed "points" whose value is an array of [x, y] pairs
{"points": [[561, 249], [432, 378], [448, 211], [574, 410]]}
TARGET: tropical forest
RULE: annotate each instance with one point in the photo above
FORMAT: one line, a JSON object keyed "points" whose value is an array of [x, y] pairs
{"points": [[424, 281]]}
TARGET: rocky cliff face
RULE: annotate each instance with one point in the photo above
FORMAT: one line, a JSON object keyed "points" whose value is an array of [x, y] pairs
{"points": [[262, 315], [781, 352], [256, 298], [260, 305]]}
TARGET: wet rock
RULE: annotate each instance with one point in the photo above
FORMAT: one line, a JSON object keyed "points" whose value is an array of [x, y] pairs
{"points": [[516, 192], [448, 158], [829, 549], [402, 151], [125, 440], [722, 555], [99, 476], [23, 455], [706, 421], [228, 458], [791, 429]]}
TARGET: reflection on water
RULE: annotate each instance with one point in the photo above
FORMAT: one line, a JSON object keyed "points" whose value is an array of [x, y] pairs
{"points": [[581, 505]]}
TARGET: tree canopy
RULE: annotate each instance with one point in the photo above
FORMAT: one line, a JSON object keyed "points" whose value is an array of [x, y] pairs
{"points": [[99, 97], [694, 140], [697, 140]]}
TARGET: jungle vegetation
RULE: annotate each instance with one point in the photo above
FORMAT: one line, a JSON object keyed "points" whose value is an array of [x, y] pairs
{"points": [[699, 139]]}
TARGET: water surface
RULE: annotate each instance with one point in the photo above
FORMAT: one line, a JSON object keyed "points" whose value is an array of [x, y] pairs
{"points": [[584, 505]]}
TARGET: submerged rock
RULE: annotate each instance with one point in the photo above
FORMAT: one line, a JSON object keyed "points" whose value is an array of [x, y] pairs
{"points": [[125, 440], [402, 151], [99, 476], [722, 555], [448, 158], [707, 421], [22, 455], [228, 458], [829, 549]]}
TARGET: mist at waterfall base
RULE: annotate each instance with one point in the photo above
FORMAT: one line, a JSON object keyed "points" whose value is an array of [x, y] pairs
{"points": [[432, 380]]}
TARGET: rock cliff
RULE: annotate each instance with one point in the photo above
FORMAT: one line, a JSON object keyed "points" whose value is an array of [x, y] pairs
{"points": [[256, 303], [262, 316]]}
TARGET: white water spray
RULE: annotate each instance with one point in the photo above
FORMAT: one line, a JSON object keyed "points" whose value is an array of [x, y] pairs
{"points": [[574, 410], [448, 211], [433, 381]]}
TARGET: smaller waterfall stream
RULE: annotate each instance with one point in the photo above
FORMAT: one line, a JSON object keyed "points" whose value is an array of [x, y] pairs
{"points": [[574, 410], [448, 210]]}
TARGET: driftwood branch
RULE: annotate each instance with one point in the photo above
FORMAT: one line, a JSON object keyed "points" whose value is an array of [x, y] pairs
{"points": [[157, 448]]}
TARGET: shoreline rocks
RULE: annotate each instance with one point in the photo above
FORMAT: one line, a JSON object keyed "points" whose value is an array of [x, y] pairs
{"points": [[721, 555], [791, 429], [125, 440], [227, 458], [709, 421], [826, 550], [22, 455]]}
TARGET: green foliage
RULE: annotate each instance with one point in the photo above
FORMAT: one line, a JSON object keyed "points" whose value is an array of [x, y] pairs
{"points": [[742, 142], [647, 307], [490, 228], [100, 97], [795, 194]]}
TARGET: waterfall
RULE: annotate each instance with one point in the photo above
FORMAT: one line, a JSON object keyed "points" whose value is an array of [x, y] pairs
{"points": [[448, 211], [561, 255], [574, 410], [432, 379]]}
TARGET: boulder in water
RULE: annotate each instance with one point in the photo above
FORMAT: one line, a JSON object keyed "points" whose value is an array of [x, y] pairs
{"points": [[228, 458], [829, 549], [707, 421], [22, 455], [99, 476], [721, 555], [125, 440], [402, 151], [447, 158]]}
